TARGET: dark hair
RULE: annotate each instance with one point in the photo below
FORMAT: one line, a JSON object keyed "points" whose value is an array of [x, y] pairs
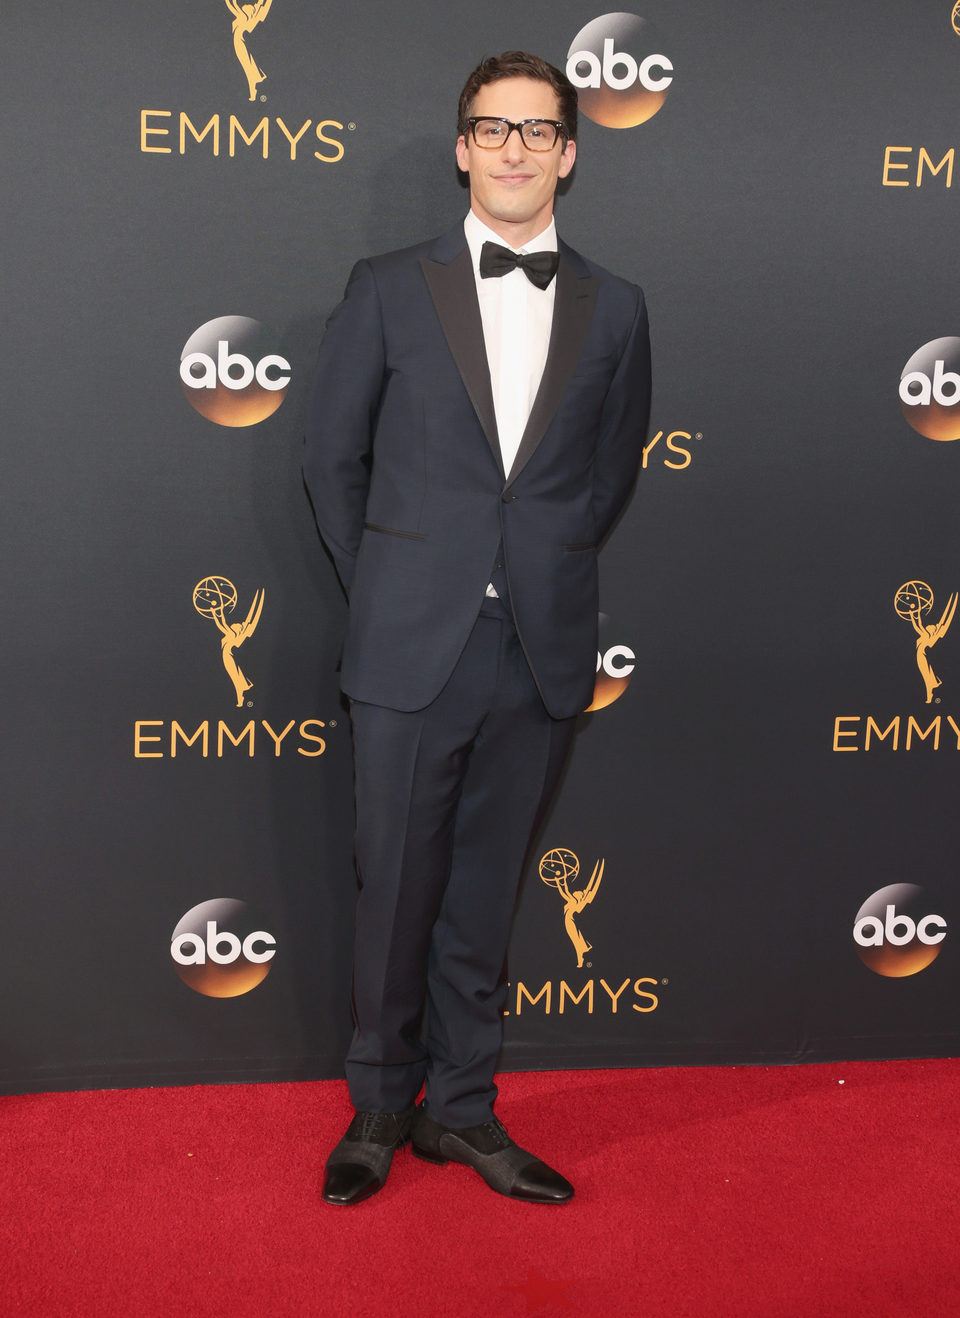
{"points": [[518, 64]]}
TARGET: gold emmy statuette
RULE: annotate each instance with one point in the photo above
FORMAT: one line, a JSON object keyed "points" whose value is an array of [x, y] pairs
{"points": [[245, 19], [955, 18], [559, 868], [912, 602], [215, 597]]}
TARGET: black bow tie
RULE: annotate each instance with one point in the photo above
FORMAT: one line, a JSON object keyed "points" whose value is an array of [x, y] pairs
{"points": [[539, 267]]}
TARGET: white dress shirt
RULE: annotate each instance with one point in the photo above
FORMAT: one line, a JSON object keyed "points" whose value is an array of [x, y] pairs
{"points": [[517, 317]]}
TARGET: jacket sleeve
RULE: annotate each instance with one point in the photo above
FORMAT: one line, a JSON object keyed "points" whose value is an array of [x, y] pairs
{"points": [[342, 418], [623, 425]]}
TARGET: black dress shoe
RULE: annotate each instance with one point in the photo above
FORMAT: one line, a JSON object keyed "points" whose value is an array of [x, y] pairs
{"points": [[489, 1150], [358, 1166]]}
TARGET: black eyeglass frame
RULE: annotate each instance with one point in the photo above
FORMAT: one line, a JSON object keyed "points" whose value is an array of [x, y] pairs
{"points": [[558, 124]]}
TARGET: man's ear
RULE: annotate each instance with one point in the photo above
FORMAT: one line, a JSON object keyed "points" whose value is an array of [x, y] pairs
{"points": [[567, 158], [461, 154]]}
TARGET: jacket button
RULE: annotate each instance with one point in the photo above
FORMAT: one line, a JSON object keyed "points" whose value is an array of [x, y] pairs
{"points": [[509, 498]]}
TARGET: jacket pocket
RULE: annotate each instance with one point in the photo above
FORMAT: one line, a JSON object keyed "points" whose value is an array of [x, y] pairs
{"points": [[389, 530], [572, 549]]}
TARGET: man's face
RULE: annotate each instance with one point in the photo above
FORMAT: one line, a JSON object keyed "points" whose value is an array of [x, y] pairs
{"points": [[511, 188]]}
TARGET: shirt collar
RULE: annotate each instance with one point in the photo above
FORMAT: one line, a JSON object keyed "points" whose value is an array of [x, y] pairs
{"points": [[478, 233]]}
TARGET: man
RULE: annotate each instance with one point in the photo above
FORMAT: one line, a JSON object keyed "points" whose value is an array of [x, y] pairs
{"points": [[478, 423]]}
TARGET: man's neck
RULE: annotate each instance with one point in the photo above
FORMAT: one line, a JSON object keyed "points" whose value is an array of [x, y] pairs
{"points": [[519, 234]]}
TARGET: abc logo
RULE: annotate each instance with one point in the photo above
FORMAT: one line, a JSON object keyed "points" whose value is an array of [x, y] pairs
{"points": [[218, 951], [930, 389], [615, 665], [231, 372], [616, 65], [895, 933]]}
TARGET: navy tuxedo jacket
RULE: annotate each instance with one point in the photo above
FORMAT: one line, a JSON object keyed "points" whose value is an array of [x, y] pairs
{"points": [[404, 470]]}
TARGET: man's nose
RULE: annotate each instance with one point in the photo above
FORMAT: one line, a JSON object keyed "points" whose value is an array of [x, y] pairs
{"points": [[514, 147]]}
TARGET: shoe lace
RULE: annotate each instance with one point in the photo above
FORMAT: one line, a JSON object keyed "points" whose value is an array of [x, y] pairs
{"points": [[374, 1127], [496, 1130]]}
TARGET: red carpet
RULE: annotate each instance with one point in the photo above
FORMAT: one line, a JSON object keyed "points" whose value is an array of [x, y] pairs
{"points": [[707, 1191]]}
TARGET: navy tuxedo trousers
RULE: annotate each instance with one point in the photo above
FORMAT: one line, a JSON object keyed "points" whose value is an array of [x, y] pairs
{"points": [[448, 801]]}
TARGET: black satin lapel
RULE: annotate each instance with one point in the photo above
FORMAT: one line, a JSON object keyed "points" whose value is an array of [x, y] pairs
{"points": [[454, 292], [572, 316]]}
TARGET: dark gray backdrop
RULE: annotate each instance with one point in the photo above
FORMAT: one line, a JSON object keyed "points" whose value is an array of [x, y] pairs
{"points": [[754, 581]]}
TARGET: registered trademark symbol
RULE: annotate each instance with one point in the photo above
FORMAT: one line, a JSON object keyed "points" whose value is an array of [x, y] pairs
{"points": [[589, 965], [698, 436], [664, 981], [936, 700], [249, 704], [333, 723], [263, 96], [351, 128]]}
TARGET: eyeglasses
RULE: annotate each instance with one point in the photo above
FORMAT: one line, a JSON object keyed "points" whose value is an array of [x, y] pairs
{"points": [[535, 134]]}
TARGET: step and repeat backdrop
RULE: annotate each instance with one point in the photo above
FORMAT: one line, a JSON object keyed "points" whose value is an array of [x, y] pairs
{"points": [[752, 856]]}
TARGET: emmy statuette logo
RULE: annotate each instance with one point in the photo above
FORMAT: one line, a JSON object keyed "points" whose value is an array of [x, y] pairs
{"points": [[589, 995], [560, 869], [211, 133], [918, 167], [245, 19], [215, 598], [913, 602]]}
